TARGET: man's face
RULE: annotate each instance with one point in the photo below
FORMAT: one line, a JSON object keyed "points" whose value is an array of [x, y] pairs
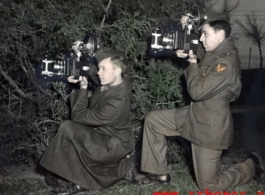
{"points": [[107, 73], [210, 38]]}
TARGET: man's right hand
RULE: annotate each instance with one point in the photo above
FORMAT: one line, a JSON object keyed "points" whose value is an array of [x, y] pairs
{"points": [[71, 79], [83, 81], [192, 58], [184, 20], [180, 53]]}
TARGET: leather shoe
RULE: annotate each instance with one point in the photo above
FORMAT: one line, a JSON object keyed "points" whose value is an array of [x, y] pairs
{"points": [[156, 179], [257, 161], [56, 181], [68, 190]]}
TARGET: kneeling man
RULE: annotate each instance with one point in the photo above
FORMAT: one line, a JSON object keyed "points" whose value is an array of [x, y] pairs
{"points": [[89, 151]]}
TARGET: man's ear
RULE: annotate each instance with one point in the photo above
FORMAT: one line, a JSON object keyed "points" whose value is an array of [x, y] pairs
{"points": [[117, 71], [221, 34]]}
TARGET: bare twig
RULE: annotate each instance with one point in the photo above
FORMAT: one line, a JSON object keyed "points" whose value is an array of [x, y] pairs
{"points": [[165, 103], [24, 68], [106, 10], [229, 8], [49, 121], [255, 30], [12, 83]]}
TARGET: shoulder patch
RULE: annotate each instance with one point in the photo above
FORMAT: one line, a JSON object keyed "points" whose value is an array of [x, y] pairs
{"points": [[220, 67]]}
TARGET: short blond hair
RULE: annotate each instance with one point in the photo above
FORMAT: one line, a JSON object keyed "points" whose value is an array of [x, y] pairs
{"points": [[117, 61]]}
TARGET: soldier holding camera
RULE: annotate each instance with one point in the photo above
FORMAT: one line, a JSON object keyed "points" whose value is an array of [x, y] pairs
{"points": [[90, 151], [213, 81]]}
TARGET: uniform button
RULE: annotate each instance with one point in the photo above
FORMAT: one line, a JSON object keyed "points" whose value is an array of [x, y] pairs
{"points": [[204, 74]]}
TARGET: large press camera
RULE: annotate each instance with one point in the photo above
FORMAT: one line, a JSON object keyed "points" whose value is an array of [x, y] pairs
{"points": [[167, 41], [79, 61]]}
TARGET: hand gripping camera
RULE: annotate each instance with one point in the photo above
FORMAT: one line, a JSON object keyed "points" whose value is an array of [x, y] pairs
{"points": [[166, 42]]}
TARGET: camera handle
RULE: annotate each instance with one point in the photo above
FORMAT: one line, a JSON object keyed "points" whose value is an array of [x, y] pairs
{"points": [[189, 27]]}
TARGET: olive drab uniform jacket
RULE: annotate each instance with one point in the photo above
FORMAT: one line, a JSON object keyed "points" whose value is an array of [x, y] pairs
{"points": [[90, 150], [212, 85]]}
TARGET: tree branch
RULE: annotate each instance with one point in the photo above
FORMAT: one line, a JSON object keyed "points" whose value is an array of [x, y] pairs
{"points": [[12, 83], [106, 10]]}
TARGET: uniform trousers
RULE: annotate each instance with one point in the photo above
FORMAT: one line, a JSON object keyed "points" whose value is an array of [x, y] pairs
{"points": [[207, 162]]}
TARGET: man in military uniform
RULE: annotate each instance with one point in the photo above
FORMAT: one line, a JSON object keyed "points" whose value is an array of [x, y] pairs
{"points": [[90, 151], [207, 122]]}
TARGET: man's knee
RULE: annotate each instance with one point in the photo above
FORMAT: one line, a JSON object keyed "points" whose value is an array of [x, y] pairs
{"points": [[65, 123], [151, 116], [150, 119]]}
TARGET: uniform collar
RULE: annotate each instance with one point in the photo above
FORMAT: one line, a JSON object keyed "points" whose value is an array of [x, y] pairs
{"points": [[224, 47]]}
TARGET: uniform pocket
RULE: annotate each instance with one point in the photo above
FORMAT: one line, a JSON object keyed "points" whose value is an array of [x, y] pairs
{"points": [[201, 115]]}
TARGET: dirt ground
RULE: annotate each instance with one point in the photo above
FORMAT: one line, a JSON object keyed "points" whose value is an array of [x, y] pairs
{"points": [[22, 171]]}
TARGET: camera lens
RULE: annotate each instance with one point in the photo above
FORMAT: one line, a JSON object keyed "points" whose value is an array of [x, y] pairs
{"points": [[167, 40], [82, 46]]}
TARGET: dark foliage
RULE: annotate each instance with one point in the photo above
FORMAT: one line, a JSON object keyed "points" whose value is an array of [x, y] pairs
{"points": [[30, 115]]}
